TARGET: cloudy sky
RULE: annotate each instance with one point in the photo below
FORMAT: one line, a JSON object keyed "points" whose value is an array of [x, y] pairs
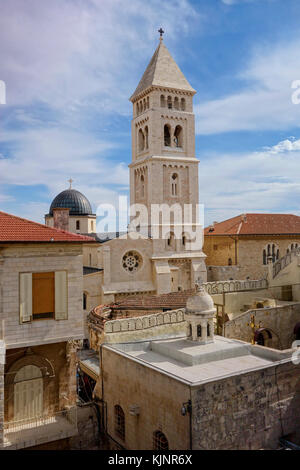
{"points": [[71, 65]]}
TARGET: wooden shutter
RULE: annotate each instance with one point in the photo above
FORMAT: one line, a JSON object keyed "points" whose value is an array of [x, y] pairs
{"points": [[25, 297], [61, 295]]}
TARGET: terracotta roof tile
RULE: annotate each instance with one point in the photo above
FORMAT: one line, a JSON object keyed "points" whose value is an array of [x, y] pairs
{"points": [[256, 224], [16, 229]]}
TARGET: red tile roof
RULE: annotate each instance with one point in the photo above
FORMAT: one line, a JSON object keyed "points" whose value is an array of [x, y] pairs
{"points": [[16, 229], [172, 300], [256, 224]]}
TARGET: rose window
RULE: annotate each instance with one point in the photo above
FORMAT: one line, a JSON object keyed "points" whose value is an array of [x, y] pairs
{"points": [[131, 261]]}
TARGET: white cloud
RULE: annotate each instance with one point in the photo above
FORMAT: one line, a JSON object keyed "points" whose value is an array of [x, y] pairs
{"points": [[80, 55], [266, 102], [264, 181]]}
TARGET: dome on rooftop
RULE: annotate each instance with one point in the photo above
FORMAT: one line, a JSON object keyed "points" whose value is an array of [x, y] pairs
{"points": [[200, 304], [73, 200]]}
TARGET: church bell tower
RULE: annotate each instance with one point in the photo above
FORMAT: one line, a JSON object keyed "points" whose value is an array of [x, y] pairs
{"points": [[164, 169]]}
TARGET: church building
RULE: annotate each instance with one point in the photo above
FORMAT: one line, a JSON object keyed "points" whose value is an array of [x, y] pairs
{"points": [[164, 170]]}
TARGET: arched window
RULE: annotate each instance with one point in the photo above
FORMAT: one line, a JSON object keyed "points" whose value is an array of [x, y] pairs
{"points": [[183, 240], [229, 262], [208, 330], [167, 136], [84, 301], [119, 422], [144, 104], [162, 101], [171, 240], [199, 331], [141, 140], [176, 103], [169, 102], [146, 137], [77, 224], [142, 186], [174, 184], [264, 257], [148, 102], [137, 109], [182, 104], [160, 442], [178, 136]]}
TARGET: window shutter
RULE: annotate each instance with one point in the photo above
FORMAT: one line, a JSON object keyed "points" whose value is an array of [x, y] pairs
{"points": [[25, 297], [61, 295]]}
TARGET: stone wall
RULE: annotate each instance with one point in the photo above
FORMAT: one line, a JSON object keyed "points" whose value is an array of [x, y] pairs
{"points": [[40, 258], [2, 365], [222, 273], [157, 399], [280, 321], [88, 429], [159, 325], [250, 411]]}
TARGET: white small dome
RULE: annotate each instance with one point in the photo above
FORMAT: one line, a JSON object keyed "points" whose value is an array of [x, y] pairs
{"points": [[200, 303]]}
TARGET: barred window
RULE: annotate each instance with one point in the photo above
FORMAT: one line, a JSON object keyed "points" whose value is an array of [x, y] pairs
{"points": [[119, 422], [160, 442]]}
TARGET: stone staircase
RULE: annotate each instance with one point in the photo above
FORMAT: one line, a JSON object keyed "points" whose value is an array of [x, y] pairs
{"points": [[284, 261]]}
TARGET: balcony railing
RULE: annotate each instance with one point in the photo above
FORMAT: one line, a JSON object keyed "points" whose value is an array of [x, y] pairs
{"points": [[39, 430]]}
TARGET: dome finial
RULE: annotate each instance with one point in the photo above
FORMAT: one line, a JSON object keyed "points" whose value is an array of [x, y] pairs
{"points": [[70, 181]]}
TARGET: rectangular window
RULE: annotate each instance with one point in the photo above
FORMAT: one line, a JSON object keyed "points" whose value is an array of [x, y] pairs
{"points": [[43, 296]]}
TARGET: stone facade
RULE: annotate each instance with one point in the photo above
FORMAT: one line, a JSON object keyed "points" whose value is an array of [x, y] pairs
{"points": [[280, 321], [245, 252], [248, 412], [46, 345]]}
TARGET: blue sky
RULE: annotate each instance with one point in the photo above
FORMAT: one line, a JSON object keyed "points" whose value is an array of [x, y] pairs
{"points": [[71, 65]]}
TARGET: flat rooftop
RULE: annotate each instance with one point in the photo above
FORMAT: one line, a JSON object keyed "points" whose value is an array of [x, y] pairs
{"points": [[194, 363]]}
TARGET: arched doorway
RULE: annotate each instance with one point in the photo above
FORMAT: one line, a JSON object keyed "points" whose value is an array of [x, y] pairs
{"points": [[263, 337], [28, 393]]}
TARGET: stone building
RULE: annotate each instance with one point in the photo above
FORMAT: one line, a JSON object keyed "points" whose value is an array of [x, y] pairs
{"points": [[42, 321], [242, 246], [193, 391]]}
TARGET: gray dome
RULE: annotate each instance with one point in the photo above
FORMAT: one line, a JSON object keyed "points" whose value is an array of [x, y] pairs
{"points": [[73, 200], [200, 303]]}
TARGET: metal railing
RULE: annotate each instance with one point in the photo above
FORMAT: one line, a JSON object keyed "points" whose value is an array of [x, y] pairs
{"points": [[31, 423]]}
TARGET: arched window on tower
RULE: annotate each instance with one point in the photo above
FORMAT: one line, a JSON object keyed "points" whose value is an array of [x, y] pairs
{"points": [[178, 136], [167, 136], [176, 103], [137, 109], [182, 104], [171, 241], [77, 224], [174, 184], [141, 140], [162, 101], [142, 186], [169, 102], [148, 102], [146, 137]]}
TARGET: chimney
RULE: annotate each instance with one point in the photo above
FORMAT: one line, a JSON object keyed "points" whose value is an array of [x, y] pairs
{"points": [[61, 218]]}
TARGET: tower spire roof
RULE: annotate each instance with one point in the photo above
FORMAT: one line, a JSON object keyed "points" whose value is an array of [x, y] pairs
{"points": [[162, 71]]}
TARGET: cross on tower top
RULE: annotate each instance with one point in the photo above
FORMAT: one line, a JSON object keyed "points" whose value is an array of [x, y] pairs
{"points": [[70, 181], [161, 32]]}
